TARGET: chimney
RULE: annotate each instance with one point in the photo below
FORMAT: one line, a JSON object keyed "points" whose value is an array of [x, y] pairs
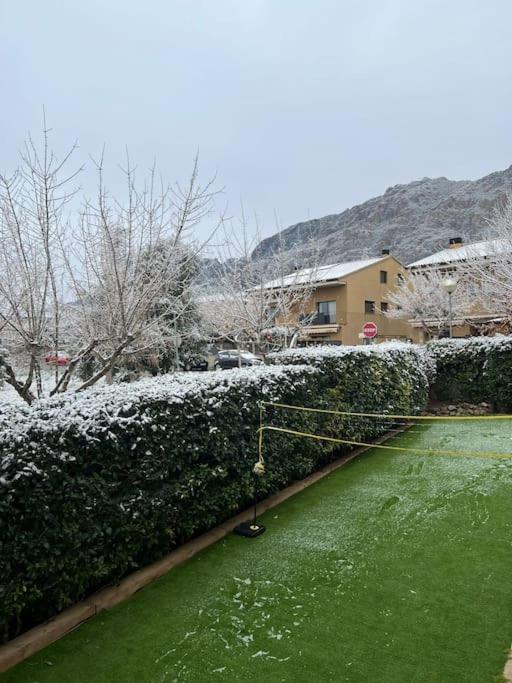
{"points": [[385, 252], [456, 242]]}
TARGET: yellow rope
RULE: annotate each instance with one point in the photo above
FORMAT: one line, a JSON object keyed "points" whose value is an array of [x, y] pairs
{"points": [[386, 416], [466, 454]]}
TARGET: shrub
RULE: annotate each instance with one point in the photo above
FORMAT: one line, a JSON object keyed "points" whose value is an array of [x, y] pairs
{"points": [[476, 369], [97, 484], [390, 377], [385, 378], [94, 485]]}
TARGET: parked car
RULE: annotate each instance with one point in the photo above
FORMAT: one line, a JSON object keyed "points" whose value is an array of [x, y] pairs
{"points": [[235, 359], [57, 358], [197, 365]]}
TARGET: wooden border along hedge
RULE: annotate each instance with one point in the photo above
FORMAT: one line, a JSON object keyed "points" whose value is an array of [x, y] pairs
{"points": [[507, 671], [37, 638]]}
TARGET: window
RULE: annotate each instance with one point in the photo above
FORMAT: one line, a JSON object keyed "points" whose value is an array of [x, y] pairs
{"points": [[383, 277], [369, 306], [384, 306], [271, 315], [325, 313], [400, 279]]}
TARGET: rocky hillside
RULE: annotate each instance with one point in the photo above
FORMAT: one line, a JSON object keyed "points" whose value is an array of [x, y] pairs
{"points": [[412, 220]]}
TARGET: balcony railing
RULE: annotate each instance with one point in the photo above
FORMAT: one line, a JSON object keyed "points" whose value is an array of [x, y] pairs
{"points": [[319, 319]]}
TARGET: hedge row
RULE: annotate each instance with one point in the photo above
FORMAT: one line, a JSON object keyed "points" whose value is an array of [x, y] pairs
{"points": [[386, 378], [373, 379], [476, 369], [95, 485]]}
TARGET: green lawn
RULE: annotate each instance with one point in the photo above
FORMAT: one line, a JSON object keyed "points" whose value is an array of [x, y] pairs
{"points": [[397, 567]]}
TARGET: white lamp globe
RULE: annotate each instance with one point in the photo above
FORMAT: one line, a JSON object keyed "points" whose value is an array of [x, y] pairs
{"points": [[449, 284]]}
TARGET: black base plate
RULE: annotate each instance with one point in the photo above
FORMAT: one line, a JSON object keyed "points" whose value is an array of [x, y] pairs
{"points": [[249, 529]]}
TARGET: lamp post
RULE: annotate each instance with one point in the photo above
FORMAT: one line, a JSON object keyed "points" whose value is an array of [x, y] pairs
{"points": [[449, 285]]}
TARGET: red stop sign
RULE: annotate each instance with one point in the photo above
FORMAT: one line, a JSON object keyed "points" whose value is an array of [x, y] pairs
{"points": [[370, 330]]}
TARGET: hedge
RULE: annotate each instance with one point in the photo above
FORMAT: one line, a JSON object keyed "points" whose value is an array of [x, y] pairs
{"points": [[95, 485], [385, 378], [475, 370], [381, 378]]}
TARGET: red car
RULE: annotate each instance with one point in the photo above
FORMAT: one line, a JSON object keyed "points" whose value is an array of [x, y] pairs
{"points": [[60, 358]]}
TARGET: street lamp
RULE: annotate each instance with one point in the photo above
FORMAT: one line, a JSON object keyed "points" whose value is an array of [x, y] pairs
{"points": [[449, 285]]}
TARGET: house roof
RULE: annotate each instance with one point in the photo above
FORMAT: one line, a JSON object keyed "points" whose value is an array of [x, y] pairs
{"points": [[469, 251], [334, 271]]}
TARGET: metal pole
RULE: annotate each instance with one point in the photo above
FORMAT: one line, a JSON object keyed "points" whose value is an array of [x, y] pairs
{"points": [[176, 347], [450, 313]]}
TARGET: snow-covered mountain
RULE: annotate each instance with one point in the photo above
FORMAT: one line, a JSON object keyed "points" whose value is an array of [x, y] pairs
{"points": [[411, 220]]}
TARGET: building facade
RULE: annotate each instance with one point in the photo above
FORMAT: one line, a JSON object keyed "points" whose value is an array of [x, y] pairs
{"points": [[348, 295]]}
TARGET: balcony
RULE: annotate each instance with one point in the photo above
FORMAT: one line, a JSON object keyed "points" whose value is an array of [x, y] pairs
{"points": [[320, 324], [319, 319]]}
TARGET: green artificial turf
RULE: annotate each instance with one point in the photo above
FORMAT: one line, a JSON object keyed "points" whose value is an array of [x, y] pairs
{"points": [[397, 567]]}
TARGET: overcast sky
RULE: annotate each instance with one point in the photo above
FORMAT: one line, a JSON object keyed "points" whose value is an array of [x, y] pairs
{"points": [[305, 107]]}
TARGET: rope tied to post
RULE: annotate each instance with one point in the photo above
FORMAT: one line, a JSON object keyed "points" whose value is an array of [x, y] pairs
{"points": [[259, 466]]}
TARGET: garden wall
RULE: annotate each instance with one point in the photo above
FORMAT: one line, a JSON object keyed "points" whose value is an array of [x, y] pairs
{"points": [[94, 485], [475, 370]]}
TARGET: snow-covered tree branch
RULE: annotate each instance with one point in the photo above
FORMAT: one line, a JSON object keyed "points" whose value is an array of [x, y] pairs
{"points": [[109, 281], [420, 298], [32, 223], [259, 302], [490, 273]]}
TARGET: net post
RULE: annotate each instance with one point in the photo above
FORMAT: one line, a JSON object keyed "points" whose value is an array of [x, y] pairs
{"points": [[253, 529]]}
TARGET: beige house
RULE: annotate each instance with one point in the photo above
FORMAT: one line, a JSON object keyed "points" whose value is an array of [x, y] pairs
{"points": [[348, 295]]}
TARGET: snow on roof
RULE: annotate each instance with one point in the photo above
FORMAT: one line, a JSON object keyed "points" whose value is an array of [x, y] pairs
{"points": [[210, 298], [334, 271], [469, 251]]}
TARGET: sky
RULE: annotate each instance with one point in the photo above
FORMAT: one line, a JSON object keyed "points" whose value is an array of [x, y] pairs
{"points": [[301, 108]]}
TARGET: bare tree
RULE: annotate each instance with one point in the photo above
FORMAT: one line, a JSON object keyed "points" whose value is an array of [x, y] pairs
{"points": [[135, 266], [113, 283], [488, 267], [32, 223], [421, 299], [264, 301]]}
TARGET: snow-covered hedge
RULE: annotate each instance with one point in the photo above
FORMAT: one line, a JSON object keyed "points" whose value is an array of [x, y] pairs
{"points": [[95, 485], [475, 369], [385, 378], [390, 377]]}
